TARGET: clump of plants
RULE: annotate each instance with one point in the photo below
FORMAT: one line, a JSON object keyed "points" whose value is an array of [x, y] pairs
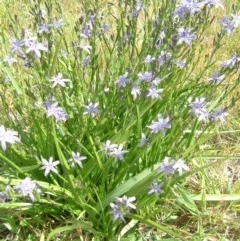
{"points": [[100, 120]]}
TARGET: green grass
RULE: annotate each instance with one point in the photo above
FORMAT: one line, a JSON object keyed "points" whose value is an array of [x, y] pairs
{"points": [[202, 204]]}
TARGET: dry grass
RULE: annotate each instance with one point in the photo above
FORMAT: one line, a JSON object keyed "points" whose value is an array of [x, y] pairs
{"points": [[221, 219]]}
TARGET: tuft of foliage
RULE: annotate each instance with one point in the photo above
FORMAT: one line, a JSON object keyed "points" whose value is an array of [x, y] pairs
{"points": [[102, 120]]}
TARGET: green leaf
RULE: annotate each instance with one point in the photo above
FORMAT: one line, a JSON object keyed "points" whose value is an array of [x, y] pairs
{"points": [[77, 225], [185, 199], [156, 225], [55, 57], [11, 163], [16, 205], [133, 186], [13, 81], [217, 197], [51, 188]]}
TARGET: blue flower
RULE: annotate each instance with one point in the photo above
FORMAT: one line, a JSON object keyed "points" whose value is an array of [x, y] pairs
{"points": [[44, 29], [122, 207], [153, 92], [57, 112], [143, 141], [185, 7], [49, 166], [156, 188], [166, 167], [27, 188], [108, 147], [163, 57], [16, 46], [147, 76], [58, 24], [122, 80], [91, 109], [160, 125], [180, 166], [213, 3], [219, 115], [216, 77], [185, 36], [58, 80], [76, 159], [227, 25], [118, 153], [36, 48], [135, 92], [149, 59], [230, 63], [9, 60], [8, 136], [199, 109]]}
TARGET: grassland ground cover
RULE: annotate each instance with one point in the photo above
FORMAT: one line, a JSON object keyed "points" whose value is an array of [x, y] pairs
{"points": [[119, 120]]}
